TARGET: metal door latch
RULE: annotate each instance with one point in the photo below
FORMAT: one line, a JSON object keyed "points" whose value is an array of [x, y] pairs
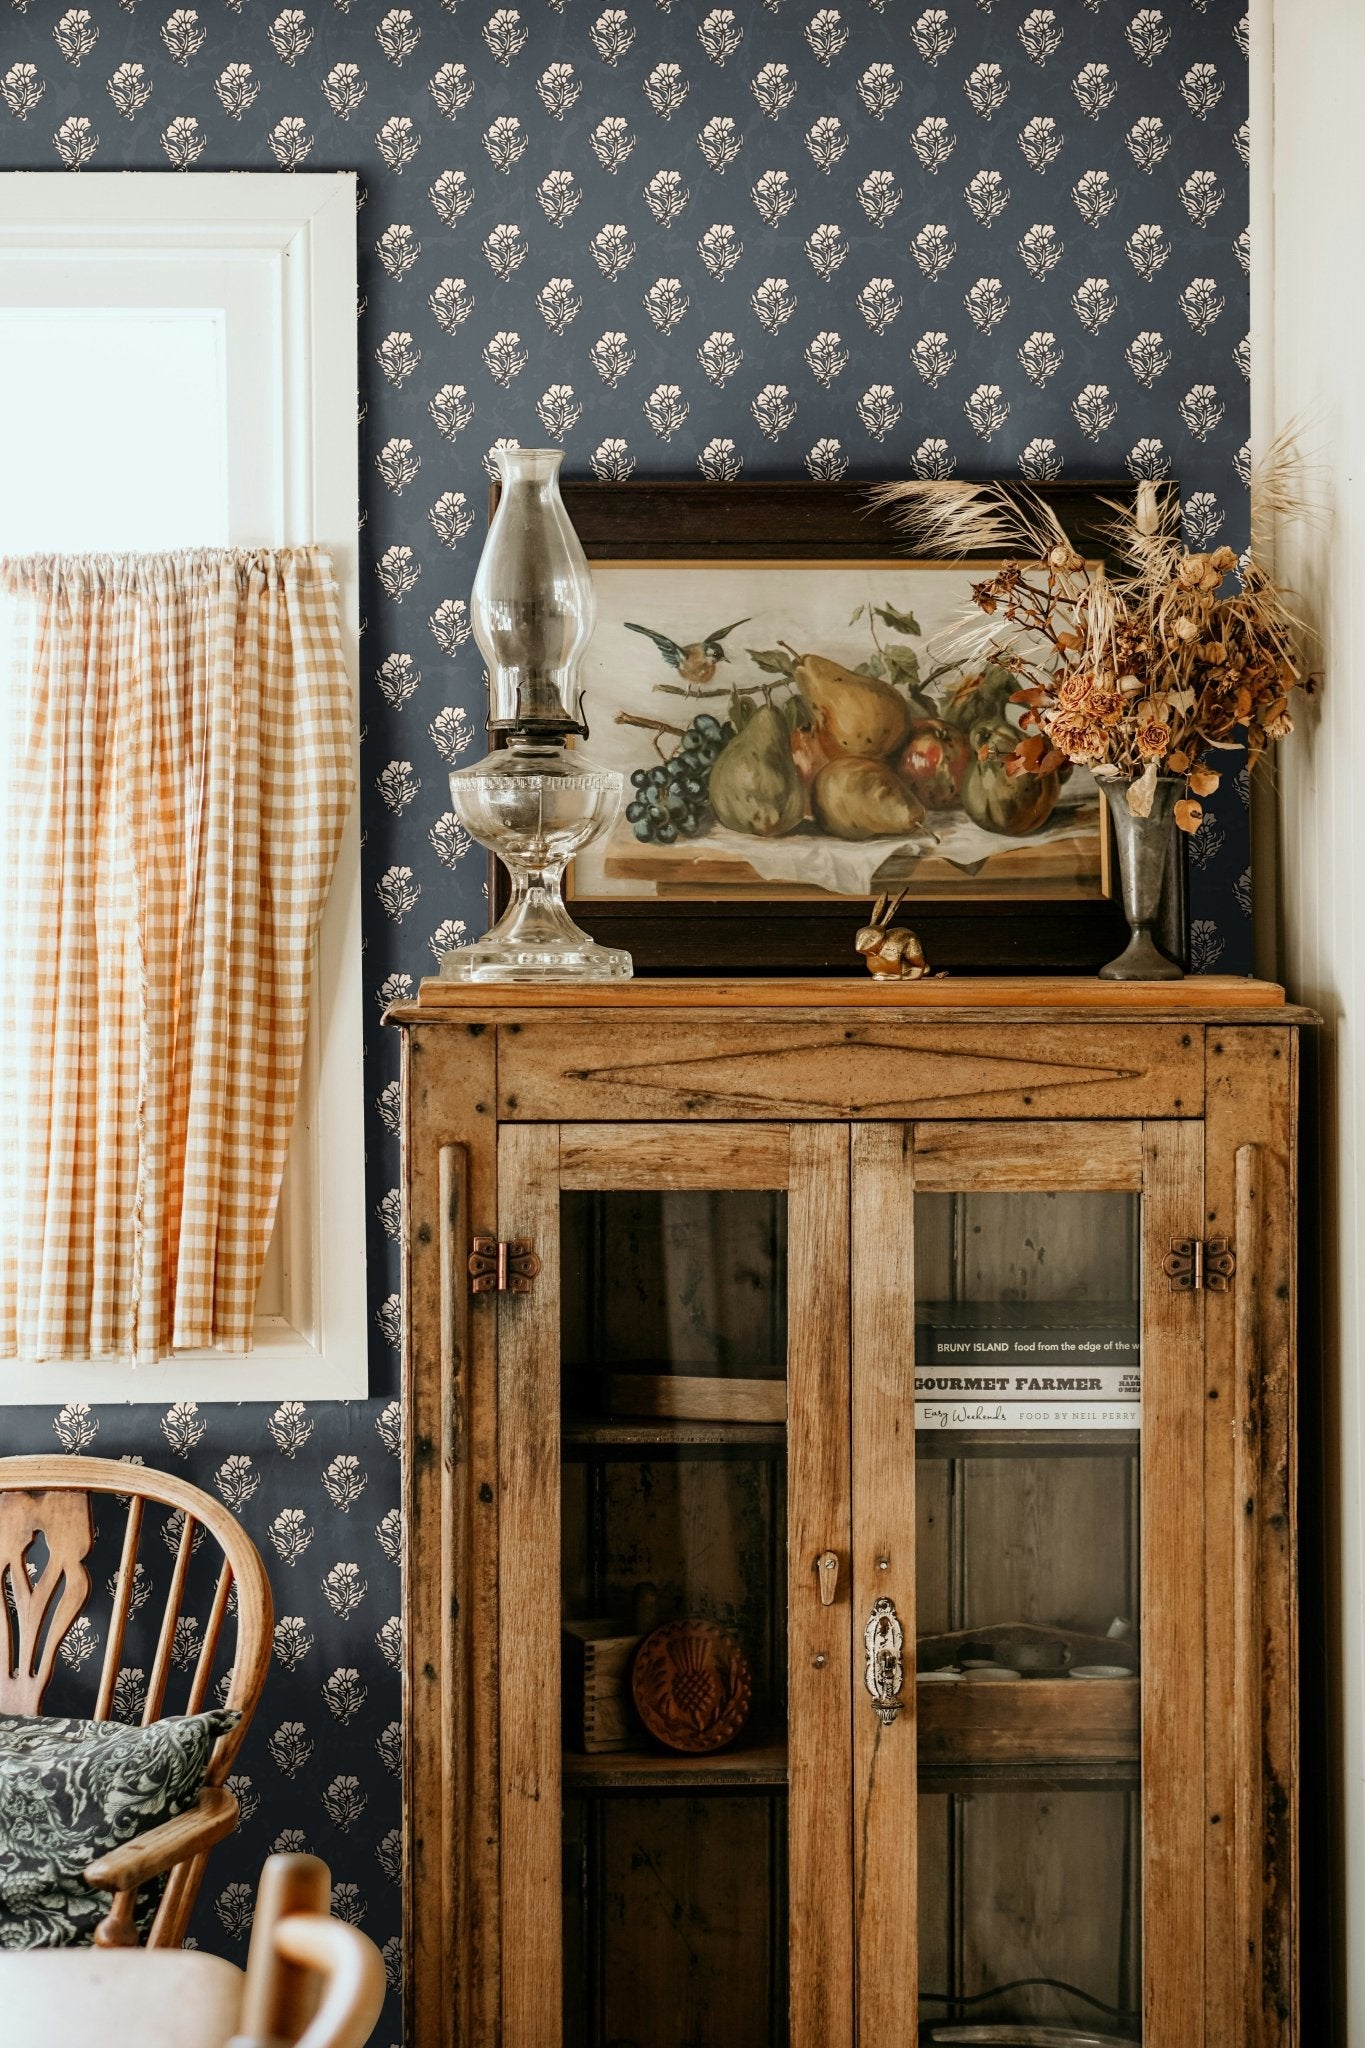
{"points": [[1193, 1263], [502, 1265], [883, 1641]]}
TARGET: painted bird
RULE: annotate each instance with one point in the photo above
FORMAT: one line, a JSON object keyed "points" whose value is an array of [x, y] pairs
{"points": [[697, 663]]}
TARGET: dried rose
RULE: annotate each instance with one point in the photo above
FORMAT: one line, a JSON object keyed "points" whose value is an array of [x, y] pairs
{"points": [[1079, 738]]}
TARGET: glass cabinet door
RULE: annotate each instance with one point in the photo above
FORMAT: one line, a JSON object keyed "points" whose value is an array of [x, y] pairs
{"points": [[1049, 1594], [675, 1613]]}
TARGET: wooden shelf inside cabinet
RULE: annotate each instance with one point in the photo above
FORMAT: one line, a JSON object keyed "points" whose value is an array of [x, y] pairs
{"points": [[584, 1434], [1029, 1722], [1030, 1777], [753, 1765], [659, 1394], [1026, 1443]]}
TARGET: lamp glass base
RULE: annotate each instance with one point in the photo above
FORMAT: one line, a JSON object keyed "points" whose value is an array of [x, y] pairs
{"points": [[489, 960], [536, 805], [535, 939]]}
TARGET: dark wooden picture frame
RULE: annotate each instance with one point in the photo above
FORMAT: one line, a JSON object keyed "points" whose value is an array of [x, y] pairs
{"points": [[692, 521]]}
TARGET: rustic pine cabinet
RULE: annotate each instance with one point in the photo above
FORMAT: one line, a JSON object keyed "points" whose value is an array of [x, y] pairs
{"points": [[849, 1576]]}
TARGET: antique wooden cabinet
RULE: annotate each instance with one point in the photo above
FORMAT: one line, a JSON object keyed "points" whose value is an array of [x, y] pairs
{"points": [[910, 1371]]}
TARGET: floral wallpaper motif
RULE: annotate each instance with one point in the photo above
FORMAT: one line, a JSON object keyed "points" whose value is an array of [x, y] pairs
{"points": [[677, 239]]}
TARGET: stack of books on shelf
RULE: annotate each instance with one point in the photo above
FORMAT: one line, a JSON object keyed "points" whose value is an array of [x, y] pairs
{"points": [[1025, 1365]]}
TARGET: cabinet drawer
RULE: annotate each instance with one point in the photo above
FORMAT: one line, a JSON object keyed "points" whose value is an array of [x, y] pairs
{"points": [[632, 1068]]}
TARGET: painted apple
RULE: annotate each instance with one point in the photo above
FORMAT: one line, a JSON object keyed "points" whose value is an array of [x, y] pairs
{"points": [[812, 750], [999, 801], [934, 762]]}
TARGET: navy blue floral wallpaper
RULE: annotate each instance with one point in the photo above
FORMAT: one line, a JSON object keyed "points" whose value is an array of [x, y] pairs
{"points": [[764, 240]]}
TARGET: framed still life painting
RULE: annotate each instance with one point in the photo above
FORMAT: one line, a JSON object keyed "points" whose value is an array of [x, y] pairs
{"points": [[776, 678]]}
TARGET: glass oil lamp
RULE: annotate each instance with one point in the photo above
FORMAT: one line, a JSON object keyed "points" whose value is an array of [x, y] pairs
{"points": [[535, 800]]}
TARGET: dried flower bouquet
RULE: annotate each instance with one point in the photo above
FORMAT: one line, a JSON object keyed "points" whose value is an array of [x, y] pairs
{"points": [[1156, 670]]}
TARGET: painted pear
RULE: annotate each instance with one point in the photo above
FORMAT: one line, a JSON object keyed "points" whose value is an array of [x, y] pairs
{"points": [[858, 714], [754, 785], [855, 798]]}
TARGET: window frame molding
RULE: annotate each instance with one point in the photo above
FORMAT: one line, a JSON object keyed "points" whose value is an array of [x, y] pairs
{"points": [[302, 224]]}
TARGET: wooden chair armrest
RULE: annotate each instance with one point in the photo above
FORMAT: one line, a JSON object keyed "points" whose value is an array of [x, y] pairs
{"points": [[353, 1970], [213, 1815], [318, 1946]]}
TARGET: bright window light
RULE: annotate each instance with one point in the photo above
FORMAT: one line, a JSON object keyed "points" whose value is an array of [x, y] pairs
{"points": [[116, 431], [178, 370]]}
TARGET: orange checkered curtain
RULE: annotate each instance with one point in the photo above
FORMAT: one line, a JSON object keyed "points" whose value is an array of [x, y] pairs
{"points": [[175, 772]]}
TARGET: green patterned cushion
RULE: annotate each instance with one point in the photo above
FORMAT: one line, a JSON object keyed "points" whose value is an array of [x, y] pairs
{"points": [[72, 1790]]}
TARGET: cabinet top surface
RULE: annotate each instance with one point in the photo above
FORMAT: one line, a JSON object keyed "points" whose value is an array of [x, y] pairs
{"points": [[1210, 998]]}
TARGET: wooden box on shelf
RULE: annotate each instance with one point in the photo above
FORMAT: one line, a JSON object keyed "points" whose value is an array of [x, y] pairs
{"points": [[756, 1208], [598, 1714]]}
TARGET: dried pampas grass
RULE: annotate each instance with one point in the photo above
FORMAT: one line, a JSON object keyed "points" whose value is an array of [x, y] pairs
{"points": [[957, 519], [1149, 667]]}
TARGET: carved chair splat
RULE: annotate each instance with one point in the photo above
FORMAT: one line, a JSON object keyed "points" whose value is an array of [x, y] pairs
{"points": [[43, 1592], [39, 1609]]}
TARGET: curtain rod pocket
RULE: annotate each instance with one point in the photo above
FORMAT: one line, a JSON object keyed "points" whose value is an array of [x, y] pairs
{"points": [[181, 569]]}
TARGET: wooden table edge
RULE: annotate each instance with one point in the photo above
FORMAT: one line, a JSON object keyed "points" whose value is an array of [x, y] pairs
{"points": [[1027, 998]]}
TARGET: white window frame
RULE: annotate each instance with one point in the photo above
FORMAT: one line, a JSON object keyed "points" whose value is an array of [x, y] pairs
{"points": [[312, 1337]]}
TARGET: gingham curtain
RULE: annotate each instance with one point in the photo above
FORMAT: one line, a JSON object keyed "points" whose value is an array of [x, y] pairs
{"points": [[175, 771]]}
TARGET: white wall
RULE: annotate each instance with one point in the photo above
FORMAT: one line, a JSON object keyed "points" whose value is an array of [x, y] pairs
{"points": [[1309, 248]]}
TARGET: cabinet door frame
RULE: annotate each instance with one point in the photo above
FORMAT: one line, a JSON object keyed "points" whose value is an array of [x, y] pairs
{"points": [[811, 1162], [1163, 1162]]}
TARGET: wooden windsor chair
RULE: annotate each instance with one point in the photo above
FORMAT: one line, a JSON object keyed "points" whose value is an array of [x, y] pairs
{"points": [[310, 1980], [44, 1591]]}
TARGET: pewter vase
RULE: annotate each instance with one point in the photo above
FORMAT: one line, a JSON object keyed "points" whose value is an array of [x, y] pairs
{"points": [[1144, 847]]}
